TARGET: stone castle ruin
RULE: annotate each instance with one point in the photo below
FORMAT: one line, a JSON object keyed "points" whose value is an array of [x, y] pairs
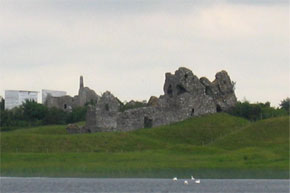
{"points": [[185, 96], [67, 103]]}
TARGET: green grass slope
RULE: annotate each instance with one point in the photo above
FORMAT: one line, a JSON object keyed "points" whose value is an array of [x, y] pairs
{"points": [[266, 133], [195, 131], [264, 142], [213, 146]]}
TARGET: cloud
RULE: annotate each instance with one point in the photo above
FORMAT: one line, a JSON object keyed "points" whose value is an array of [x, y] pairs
{"points": [[259, 2], [127, 48]]}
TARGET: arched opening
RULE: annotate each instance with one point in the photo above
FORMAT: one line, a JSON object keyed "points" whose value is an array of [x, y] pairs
{"points": [[65, 106], [192, 112], [148, 123], [218, 108], [107, 108], [169, 90], [185, 76]]}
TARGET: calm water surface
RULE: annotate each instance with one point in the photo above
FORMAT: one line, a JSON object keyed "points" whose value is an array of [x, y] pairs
{"points": [[73, 185]]}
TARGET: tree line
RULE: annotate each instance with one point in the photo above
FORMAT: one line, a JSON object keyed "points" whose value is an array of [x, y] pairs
{"points": [[31, 113], [258, 111]]}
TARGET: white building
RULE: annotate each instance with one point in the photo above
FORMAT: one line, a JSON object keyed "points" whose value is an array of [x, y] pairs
{"points": [[53, 93], [15, 98]]}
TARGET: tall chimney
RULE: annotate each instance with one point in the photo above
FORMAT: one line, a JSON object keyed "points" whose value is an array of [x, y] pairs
{"points": [[81, 82]]}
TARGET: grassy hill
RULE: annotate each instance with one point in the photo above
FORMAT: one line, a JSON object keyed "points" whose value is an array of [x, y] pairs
{"points": [[213, 146]]}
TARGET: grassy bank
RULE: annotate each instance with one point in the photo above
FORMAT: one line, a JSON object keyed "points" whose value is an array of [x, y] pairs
{"points": [[214, 146]]}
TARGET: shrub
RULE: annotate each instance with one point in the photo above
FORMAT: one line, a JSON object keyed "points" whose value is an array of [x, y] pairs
{"points": [[77, 114], [33, 111], [2, 104], [256, 111], [55, 116], [132, 105], [285, 104]]}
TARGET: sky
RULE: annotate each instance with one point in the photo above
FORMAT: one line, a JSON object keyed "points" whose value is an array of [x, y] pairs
{"points": [[127, 46]]}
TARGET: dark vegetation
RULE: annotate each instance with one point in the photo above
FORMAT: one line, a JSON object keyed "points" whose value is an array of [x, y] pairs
{"points": [[132, 105], [285, 104], [32, 113], [259, 111]]}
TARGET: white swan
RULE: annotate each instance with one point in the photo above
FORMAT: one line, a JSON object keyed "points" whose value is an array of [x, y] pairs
{"points": [[197, 181], [185, 182], [174, 179], [192, 178]]}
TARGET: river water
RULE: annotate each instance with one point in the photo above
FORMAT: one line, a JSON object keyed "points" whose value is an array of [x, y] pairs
{"points": [[73, 185]]}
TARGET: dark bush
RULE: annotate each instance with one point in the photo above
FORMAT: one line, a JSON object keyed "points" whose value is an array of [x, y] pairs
{"points": [[2, 104], [77, 114], [55, 116], [132, 105], [256, 111], [33, 111], [285, 105]]}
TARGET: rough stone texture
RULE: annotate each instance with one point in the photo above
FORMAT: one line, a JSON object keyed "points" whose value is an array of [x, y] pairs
{"points": [[67, 103], [221, 90], [153, 101], [105, 113], [181, 82], [86, 95], [185, 95], [64, 102]]}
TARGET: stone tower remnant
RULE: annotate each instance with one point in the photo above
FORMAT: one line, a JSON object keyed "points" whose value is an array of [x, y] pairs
{"points": [[185, 96], [81, 82], [67, 103]]}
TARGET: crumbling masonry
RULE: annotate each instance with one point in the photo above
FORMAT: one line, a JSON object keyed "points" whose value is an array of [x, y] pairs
{"points": [[67, 103], [185, 96]]}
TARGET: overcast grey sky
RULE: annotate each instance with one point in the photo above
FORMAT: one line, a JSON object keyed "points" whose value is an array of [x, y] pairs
{"points": [[127, 46]]}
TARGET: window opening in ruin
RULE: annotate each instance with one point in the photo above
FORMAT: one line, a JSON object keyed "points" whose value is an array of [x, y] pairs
{"points": [[207, 91], [185, 76], [107, 107], [148, 123], [180, 89], [169, 90], [64, 106], [192, 112], [218, 108]]}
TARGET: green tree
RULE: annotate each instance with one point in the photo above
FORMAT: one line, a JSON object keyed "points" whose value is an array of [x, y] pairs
{"points": [[2, 104], [77, 114], [285, 104], [33, 111], [55, 116], [256, 111]]}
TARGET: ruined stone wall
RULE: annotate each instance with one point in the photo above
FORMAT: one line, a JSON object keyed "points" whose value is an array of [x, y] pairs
{"points": [[64, 102], [185, 96], [67, 103]]}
